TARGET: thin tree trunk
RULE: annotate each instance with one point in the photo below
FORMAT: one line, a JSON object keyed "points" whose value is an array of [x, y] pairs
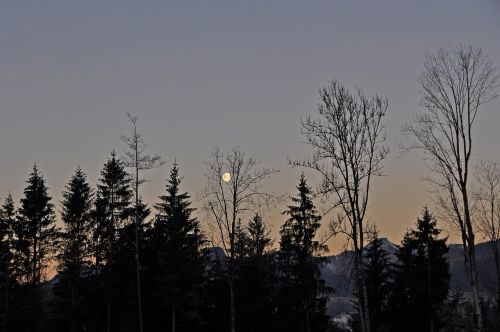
{"points": [[110, 258], [364, 293], [359, 286], [471, 258], [75, 309], [137, 259], [469, 254], [34, 286], [232, 282], [94, 292], [138, 273], [365, 304], [476, 300], [497, 266]]}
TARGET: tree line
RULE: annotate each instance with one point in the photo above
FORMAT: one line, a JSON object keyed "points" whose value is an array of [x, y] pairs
{"points": [[184, 280], [125, 265]]}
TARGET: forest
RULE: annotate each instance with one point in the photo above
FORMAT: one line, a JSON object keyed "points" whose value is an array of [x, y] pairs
{"points": [[123, 264]]}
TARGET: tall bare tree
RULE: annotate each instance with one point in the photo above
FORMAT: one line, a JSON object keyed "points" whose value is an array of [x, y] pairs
{"points": [[347, 137], [455, 84], [137, 158], [233, 190], [487, 211]]}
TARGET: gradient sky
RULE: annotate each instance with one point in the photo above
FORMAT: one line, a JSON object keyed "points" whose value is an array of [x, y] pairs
{"points": [[205, 73]]}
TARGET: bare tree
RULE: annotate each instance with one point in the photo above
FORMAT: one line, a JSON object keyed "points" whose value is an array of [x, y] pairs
{"points": [[137, 158], [347, 137], [233, 191], [454, 85], [487, 211]]}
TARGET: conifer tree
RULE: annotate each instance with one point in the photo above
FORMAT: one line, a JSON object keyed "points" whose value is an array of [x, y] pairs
{"points": [[421, 278], [241, 245], [110, 215], [123, 270], [215, 290], [38, 228], [74, 259], [303, 220], [7, 215], [378, 274], [259, 238], [303, 290], [255, 277], [177, 239]]}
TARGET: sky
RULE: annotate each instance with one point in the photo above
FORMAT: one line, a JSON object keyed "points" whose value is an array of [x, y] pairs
{"points": [[200, 74]]}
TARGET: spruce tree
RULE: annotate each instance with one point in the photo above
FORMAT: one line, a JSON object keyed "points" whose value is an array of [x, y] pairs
{"points": [[123, 270], [303, 221], [177, 239], [378, 277], [241, 245], [421, 278], [259, 238], [7, 215], [109, 217], [255, 277], [39, 234], [74, 259], [303, 293]]}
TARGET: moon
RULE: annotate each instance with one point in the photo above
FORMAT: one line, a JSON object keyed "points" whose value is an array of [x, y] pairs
{"points": [[226, 177]]}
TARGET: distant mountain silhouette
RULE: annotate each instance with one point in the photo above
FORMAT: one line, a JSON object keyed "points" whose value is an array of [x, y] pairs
{"points": [[485, 268], [338, 271]]}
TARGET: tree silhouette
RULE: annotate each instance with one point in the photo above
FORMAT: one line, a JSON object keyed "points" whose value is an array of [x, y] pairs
{"points": [[7, 215], [378, 278], [421, 278], [124, 270], [226, 203], [137, 158], [39, 236], [347, 137], [259, 238], [303, 290], [454, 86], [255, 277], [110, 215], [74, 260], [487, 213], [176, 243]]}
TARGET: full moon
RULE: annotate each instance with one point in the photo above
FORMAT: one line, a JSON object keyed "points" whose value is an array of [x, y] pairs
{"points": [[226, 177]]}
